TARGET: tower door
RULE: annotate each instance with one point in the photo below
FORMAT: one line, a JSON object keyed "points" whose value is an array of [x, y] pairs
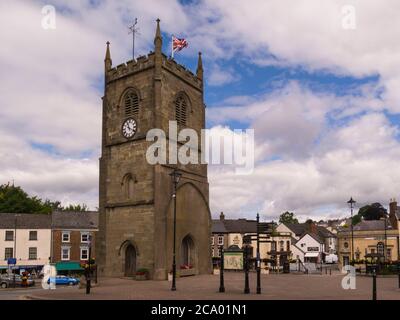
{"points": [[130, 261], [187, 252]]}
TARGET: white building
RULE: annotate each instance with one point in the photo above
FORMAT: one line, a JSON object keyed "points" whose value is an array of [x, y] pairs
{"points": [[310, 243], [26, 237], [229, 233]]}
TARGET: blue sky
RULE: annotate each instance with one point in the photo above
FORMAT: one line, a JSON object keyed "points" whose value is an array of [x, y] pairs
{"points": [[319, 86]]}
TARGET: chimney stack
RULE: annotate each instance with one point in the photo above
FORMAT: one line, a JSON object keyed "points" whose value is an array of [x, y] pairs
{"points": [[392, 206], [311, 226]]}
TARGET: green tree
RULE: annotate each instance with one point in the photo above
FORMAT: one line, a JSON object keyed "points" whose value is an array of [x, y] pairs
{"points": [[288, 217], [14, 199], [373, 211], [356, 219], [75, 207]]}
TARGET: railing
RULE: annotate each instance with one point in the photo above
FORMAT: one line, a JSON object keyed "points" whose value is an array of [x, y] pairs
{"points": [[298, 266], [311, 267]]}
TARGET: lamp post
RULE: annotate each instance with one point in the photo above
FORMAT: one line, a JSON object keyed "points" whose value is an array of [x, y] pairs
{"points": [[374, 282], [88, 280], [385, 249], [258, 289], [351, 202], [221, 271], [15, 246], [246, 247], [176, 176]]}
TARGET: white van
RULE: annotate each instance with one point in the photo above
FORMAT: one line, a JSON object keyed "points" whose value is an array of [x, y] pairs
{"points": [[331, 258]]}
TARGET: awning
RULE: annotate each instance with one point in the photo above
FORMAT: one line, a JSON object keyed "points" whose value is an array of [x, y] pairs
{"points": [[68, 266], [23, 267], [311, 254]]}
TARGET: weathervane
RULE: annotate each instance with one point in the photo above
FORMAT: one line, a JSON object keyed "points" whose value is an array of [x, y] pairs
{"points": [[134, 30]]}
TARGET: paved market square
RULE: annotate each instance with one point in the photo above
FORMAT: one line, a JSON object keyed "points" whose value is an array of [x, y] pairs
{"points": [[205, 287]]}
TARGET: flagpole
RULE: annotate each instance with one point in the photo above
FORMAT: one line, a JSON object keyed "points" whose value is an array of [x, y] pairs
{"points": [[172, 46]]}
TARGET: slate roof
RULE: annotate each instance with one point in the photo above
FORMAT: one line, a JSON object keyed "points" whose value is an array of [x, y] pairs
{"points": [[325, 233], [25, 221], [314, 236], [298, 228], [75, 220], [370, 225], [234, 226], [218, 227], [301, 228]]}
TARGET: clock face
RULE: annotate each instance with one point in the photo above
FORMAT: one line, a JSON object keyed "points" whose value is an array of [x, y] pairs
{"points": [[129, 128]]}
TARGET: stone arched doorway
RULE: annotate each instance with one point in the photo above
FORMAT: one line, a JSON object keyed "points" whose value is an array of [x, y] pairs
{"points": [[188, 254], [130, 260]]}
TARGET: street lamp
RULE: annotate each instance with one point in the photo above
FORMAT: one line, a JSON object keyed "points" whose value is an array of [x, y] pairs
{"points": [[385, 250], [175, 176], [351, 202], [221, 267], [15, 245], [246, 252], [88, 270]]}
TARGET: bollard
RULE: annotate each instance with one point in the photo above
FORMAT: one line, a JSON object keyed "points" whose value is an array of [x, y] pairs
{"points": [[246, 271], [258, 276], [258, 262], [399, 280], [221, 272], [398, 272], [330, 272], [373, 284]]}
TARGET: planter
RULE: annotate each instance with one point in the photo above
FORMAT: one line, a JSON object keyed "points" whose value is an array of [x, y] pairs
{"points": [[187, 272], [216, 271], [265, 271], [169, 276], [141, 277]]}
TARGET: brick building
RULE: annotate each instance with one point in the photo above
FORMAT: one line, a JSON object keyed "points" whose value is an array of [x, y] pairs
{"points": [[72, 235]]}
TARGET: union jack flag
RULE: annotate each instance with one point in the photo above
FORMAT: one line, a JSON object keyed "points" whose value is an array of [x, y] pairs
{"points": [[178, 44]]}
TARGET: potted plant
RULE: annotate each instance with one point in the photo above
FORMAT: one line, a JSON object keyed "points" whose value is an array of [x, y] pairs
{"points": [[142, 274]]}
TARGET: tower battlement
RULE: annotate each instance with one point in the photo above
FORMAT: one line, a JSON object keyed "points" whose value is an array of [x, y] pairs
{"points": [[147, 61], [131, 66], [181, 71]]}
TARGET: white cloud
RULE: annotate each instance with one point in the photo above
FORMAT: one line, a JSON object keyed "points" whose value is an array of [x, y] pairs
{"points": [[219, 77], [52, 87], [307, 33], [355, 159]]}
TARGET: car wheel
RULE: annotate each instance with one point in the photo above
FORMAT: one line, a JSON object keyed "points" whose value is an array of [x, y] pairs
{"points": [[4, 285], [71, 283]]}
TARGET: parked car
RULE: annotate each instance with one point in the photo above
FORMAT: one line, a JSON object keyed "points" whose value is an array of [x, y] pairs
{"points": [[64, 280], [7, 281], [331, 258]]}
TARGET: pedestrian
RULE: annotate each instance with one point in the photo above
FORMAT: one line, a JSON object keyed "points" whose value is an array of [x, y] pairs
{"points": [[24, 279]]}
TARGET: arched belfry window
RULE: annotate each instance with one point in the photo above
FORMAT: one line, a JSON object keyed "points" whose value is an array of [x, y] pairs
{"points": [[181, 107], [128, 185], [131, 104]]}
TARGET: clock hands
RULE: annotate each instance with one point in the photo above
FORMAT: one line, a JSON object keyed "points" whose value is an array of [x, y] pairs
{"points": [[129, 128]]}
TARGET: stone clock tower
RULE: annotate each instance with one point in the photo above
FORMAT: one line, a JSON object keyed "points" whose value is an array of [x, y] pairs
{"points": [[136, 207]]}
